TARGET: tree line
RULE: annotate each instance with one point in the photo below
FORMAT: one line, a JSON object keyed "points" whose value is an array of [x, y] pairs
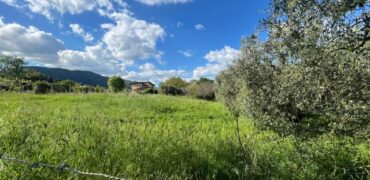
{"points": [[175, 86], [15, 76]]}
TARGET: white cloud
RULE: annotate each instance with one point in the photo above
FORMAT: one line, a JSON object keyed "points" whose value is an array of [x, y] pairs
{"points": [[11, 3], [186, 53], [161, 2], [200, 27], [131, 38], [218, 61], [226, 55], [78, 30], [107, 26], [121, 3], [94, 58], [179, 24], [29, 42], [124, 41], [49, 8], [150, 72]]}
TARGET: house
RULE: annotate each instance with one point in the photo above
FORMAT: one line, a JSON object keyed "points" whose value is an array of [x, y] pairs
{"points": [[138, 86]]}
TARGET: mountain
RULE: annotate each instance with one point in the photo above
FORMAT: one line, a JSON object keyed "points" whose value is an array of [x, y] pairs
{"points": [[82, 77]]}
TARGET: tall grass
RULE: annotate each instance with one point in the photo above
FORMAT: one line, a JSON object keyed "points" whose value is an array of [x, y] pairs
{"points": [[160, 137]]}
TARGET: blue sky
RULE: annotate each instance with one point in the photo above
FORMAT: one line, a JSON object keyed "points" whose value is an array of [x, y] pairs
{"points": [[136, 39]]}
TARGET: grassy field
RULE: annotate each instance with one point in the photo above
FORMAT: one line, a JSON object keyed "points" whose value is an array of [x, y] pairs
{"points": [[160, 137]]}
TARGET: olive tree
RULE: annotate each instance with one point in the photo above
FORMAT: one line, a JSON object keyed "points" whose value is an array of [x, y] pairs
{"points": [[311, 74]]}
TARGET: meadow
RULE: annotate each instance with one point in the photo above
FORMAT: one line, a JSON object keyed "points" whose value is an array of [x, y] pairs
{"points": [[161, 137]]}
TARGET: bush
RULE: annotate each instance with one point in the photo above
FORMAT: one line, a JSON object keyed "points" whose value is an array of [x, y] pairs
{"points": [[41, 87], [86, 89], [15, 86], [4, 87], [205, 91], [57, 88], [175, 82], [67, 85], [173, 86], [99, 89], [149, 91], [26, 86], [201, 89], [116, 84], [171, 90]]}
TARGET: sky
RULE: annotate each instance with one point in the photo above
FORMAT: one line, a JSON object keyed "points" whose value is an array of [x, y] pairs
{"points": [[138, 40]]}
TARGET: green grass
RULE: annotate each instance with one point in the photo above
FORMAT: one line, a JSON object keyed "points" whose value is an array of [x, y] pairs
{"points": [[160, 137]]}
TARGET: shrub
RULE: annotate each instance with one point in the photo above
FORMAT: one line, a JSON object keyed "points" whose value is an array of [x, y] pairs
{"points": [[87, 89], [192, 89], [67, 85], [201, 89], [4, 87], [56, 88], [205, 91], [116, 84], [173, 86], [149, 91], [41, 87], [99, 89], [171, 90], [15, 86], [26, 86], [176, 82]]}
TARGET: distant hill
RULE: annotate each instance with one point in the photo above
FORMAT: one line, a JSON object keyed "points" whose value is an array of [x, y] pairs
{"points": [[82, 77]]}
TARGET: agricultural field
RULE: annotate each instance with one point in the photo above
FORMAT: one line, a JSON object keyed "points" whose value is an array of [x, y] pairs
{"points": [[160, 137]]}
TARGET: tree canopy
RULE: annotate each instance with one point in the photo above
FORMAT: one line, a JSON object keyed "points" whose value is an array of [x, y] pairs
{"points": [[11, 67], [312, 73], [116, 84], [176, 82]]}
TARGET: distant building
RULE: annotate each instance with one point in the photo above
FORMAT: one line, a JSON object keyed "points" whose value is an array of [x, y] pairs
{"points": [[138, 86]]}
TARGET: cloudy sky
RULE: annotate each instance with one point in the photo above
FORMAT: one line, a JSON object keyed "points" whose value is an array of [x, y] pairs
{"points": [[136, 39]]}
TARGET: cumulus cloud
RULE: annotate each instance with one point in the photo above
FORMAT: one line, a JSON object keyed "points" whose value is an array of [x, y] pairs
{"points": [[107, 26], [161, 2], [186, 53], [124, 41], [200, 27], [50, 8], [218, 61], [29, 42], [94, 58], [130, 38], [78, 30], [149, 72]]}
